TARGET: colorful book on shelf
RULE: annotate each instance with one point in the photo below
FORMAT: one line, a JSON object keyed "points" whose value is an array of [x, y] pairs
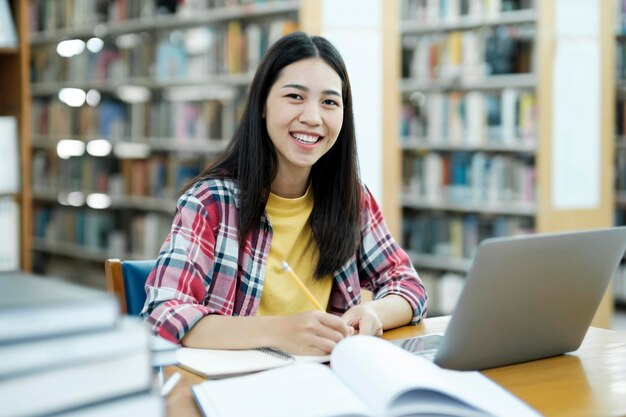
{"points": [[112, 120], [369, 377], [171, 61]]}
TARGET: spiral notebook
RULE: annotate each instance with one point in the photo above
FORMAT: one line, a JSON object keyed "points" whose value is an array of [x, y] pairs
{"points": [[216, 363]]}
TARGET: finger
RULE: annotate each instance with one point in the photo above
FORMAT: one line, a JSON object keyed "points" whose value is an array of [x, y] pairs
{"points": [[335, 323], [321, 346], [331, 334], [368, 326]]}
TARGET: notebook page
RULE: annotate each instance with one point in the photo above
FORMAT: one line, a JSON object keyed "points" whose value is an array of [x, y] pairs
{"points": [[303, 390], [219, 363]]}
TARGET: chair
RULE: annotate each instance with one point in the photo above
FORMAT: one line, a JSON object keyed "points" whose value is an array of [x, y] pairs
{"points": [[126, 279]]}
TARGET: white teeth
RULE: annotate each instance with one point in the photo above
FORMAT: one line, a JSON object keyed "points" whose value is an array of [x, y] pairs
{"points": [[305, 138]]}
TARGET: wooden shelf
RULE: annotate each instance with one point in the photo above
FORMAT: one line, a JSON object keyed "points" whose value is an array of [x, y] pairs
{"points": [[507, 209], [139, 203], [171, 145], [422, 145], [4, 50], [515, 17], [224, 81], [494, 82], [421, 260], [71, 250]]}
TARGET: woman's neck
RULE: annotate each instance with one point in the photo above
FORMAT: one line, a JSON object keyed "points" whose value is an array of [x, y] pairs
{"points": [[290, 186]]}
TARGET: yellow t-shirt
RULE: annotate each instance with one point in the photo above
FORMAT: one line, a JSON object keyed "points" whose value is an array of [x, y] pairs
{"points": [[291, 233]]}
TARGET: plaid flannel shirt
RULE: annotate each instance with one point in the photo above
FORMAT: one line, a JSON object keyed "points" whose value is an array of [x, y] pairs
{"points": [[201, 269]]}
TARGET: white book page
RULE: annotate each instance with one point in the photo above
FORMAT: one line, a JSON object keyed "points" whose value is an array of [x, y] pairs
{"points": [[379, 372], [303, 390]]}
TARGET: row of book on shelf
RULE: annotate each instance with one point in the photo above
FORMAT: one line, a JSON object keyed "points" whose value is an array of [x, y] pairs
{"points": [[123, 234], [156, 176], [158, 119], [185, 54], [48, 15], [443, 290], [456, 236], [619, 9], [469, 177], [432, 12], [468, 56], [54, 363], [508, 117], [620, 57], [620, 169], [620, 116]]}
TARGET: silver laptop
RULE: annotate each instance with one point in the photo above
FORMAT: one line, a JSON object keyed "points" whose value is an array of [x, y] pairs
{"points": [[525, 298]]}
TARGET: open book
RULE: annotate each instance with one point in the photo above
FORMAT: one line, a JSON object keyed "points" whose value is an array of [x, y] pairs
{"points": [[369, 378], [216, 363]]}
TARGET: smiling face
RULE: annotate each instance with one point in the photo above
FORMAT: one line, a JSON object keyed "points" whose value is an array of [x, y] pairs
{"points": [[304, 114]]}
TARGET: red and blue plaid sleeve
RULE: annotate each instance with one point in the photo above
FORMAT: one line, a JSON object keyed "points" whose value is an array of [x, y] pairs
{"points": [[384, 267], [177, 287]]}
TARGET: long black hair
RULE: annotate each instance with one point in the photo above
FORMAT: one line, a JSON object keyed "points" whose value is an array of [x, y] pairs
{"points": [[250, 158]]}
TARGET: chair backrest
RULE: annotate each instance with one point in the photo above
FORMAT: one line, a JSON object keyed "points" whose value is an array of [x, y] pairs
{"points": [[126, 279]]}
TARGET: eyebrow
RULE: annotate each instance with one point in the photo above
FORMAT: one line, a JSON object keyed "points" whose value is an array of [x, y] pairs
{"points": [[307, 89]]}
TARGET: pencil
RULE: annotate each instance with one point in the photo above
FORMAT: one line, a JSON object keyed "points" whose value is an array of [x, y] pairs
{"points": [[288, 269], [170, 384]]}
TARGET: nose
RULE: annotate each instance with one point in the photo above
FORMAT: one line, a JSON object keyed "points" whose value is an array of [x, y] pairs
{"points": [[311, 114]]}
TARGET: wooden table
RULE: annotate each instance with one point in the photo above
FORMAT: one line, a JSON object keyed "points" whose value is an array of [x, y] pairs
{"points": [[590, 382]]}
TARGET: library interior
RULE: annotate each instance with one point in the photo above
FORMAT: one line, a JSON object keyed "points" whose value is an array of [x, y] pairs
{"points": [[475, 119]]}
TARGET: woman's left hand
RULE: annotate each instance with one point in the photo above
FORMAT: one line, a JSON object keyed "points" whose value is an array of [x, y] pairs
{"points": [[363, 319]]}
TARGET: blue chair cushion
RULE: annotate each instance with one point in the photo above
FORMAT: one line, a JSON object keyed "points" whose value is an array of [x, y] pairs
{"points": [[135, 274]]}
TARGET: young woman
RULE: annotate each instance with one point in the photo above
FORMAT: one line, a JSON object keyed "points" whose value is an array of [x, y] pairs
{"points": [[286, 190]]}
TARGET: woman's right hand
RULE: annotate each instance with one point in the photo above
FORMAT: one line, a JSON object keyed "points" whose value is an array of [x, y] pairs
{"points": [[309, 333]]}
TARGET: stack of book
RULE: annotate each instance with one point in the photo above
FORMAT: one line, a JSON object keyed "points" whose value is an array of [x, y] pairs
{"points": [[66, 350]]}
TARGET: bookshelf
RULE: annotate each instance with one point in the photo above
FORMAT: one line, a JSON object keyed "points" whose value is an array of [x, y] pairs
{"points": [[117, 199], [481, 122], [14, 103], [129, 102]]}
